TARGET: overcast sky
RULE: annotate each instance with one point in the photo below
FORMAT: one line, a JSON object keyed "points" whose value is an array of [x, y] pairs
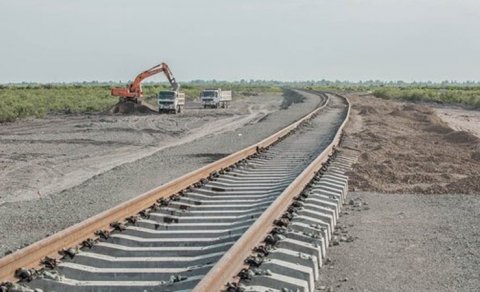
{"points": [[66, 40]]}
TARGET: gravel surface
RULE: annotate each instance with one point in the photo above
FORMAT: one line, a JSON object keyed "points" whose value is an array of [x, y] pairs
{"points": [[25, 222], [39, 157], [405, 242]]}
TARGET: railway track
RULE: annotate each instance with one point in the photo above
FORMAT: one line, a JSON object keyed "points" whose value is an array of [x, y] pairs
{"points": [[197, 232]]}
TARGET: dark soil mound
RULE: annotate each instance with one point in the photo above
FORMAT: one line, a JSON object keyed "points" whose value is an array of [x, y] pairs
{"points": [[367, 110], [468, 185], [290, 97], [461, 137], [439, 129], [128, 107], [476, 155]]}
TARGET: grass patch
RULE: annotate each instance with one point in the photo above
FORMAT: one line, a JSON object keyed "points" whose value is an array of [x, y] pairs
{"points": [[24, 101], [465, 96]]}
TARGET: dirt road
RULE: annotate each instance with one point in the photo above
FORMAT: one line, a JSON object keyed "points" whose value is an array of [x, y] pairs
{"points": [[44, 156]]}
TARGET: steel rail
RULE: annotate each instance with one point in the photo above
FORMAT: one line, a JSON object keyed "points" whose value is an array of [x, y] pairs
{"points": [[232, 261], [32, 255]]}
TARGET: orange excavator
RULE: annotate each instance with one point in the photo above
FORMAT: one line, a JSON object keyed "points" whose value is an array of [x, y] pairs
{"points": [[133, 91]]}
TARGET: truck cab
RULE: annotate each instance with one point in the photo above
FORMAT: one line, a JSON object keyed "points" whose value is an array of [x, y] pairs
{"points": [[209, 98], [214, 98], [170, 101]]}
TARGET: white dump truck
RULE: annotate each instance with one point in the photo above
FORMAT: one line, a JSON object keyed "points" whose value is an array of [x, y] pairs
{"points": [[171, 101], [215, 98]]}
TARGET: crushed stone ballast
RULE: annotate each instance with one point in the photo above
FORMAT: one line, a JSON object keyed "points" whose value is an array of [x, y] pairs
{"points": [[174, 243]]}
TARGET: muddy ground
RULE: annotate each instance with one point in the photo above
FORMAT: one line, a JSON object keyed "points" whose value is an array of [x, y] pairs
{"points": [[413, 212], [119, 158]]}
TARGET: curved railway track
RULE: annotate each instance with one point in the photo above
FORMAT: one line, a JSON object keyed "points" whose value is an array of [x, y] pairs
{"points": [[197, 232]]}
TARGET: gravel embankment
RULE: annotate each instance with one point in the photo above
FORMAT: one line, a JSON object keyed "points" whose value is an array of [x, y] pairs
{"points": [[25, 222]]}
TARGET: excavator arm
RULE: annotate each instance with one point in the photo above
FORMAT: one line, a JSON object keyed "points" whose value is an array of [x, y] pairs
{"points": [[133, 91]]}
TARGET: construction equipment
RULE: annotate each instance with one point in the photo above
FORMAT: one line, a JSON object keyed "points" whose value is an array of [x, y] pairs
{"points": [[215, 98], [133, 91]]}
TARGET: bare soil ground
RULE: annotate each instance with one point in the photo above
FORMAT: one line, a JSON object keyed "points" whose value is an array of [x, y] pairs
{"points": [[415, 224], [406, 242], [408, 148], [147, 150], [39, 157]]}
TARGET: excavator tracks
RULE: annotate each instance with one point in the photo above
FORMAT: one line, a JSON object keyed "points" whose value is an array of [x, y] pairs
{"points": [[176, 244]]}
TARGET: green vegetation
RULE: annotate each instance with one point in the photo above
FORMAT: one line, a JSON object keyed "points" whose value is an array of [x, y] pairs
{"points": [[469, 96], [25, 100], [37, 100], [467, 93]]}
